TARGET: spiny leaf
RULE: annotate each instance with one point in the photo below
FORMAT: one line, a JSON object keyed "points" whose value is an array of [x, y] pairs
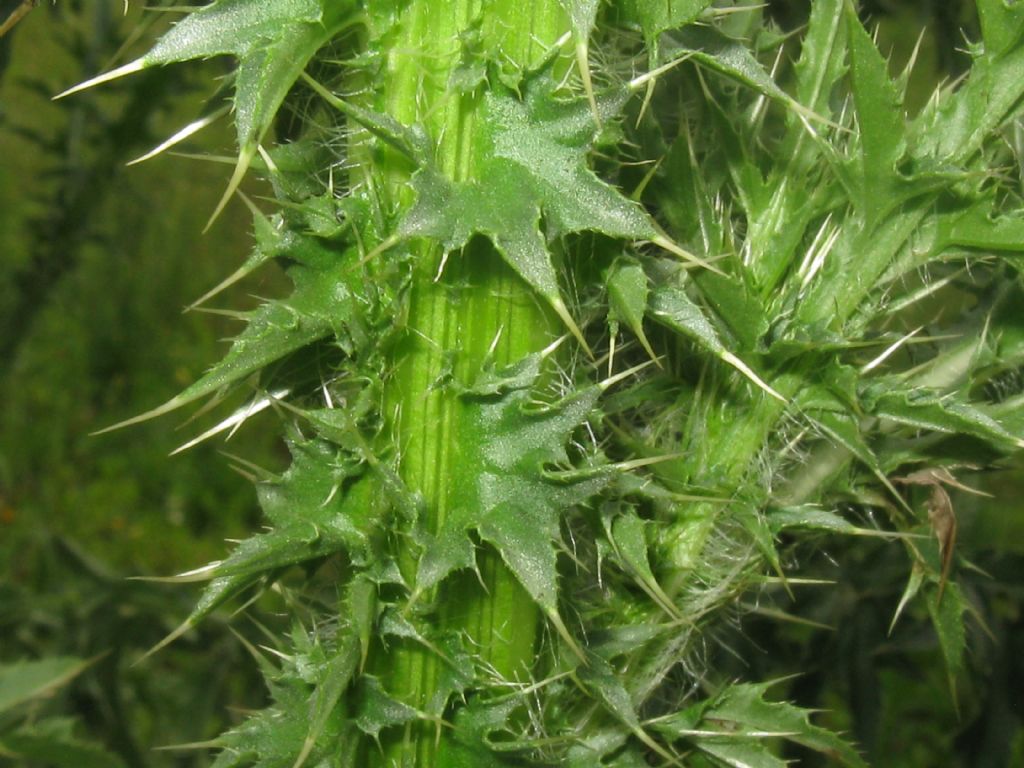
{"points": [[841, 424], [451, 213], [657, 16], [312, 515], [737, 136], [472, 746], [471, 71], [809, 517], [914, 582], [497, 381], [274, 737], [924, 409], [582, 15], [976, 228], [503, 491], [262, 82], [688, 205], [853, 267], [330, 296], [671, 307], [735, 302], [881, 122], [273, 41], [456, 675], [339, 426], [947, 618], [713, 49], [267, 237], [605, 747], [1002, 24], [231, 26], [611, 642], [335, 677], [955, 129], [547, 138], [756, 523], [379, 710], [627, 299], [739, 752], [363, 608], [625, 531], [822, 57], [217, 592], [533, 154], [410, 142], [795, 165], [607, 686], [733, 725]]}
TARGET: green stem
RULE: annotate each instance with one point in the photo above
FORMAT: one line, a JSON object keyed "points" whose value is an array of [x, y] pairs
{"points": [[455, 320]]}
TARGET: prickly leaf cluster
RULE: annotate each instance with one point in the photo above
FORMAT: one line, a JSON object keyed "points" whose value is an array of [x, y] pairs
{"points": [[577, 356]]}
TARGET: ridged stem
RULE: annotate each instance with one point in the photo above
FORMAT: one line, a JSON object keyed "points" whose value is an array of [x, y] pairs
{"points": [[455, 319]]}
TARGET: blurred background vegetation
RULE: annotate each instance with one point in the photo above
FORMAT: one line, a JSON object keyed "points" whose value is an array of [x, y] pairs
{"points": [[96, 262]]}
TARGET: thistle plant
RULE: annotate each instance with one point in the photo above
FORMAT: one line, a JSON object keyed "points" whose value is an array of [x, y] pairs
{"points": [[599, 310]]}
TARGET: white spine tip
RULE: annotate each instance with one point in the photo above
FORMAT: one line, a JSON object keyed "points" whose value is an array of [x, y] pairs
{"points": [[663, 242], [134, 66], [559, 306]]}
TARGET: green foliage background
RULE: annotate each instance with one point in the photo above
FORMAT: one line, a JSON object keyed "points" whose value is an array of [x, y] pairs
{"points": [[97, 262]]}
